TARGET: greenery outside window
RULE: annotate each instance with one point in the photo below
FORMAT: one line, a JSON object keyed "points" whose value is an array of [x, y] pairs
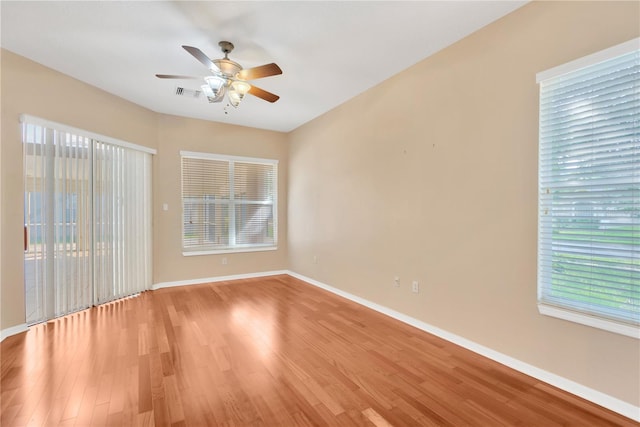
{"points": [[229, 204], [589, 190]]}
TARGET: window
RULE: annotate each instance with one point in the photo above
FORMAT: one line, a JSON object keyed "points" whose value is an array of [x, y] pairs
{"points": [[589, 190], [229, 204]]}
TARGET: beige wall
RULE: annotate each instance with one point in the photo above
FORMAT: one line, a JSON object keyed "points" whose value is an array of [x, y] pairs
{"points": [[178, 133], [30, 88], [432, 176]]}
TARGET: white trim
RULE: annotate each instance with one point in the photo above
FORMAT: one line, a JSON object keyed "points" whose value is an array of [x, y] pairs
{"points": [[585, 61], [211, 156], [597, 397], [274, 207], [230, 250], [13, 330], [594, 322], [65, 128], [161, 285]]}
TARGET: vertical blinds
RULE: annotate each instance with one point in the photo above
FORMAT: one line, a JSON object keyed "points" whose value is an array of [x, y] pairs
{"points": [[122, 221], [228, 202], [57, 169], [87, 219], [589, 178]]}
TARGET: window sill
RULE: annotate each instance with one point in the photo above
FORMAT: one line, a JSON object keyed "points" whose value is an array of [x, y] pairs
{"points": [[230, 250], [594, 322]]}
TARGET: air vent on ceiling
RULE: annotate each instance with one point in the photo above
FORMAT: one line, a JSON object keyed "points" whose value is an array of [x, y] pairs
{"points": [[181, 91]]}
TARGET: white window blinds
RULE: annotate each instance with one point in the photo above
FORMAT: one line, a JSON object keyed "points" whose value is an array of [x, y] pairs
{"points": [[229, 203], [589, 183]]}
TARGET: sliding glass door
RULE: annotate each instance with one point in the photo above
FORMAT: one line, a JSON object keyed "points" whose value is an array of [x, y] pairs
{"points": [[87, 220]]}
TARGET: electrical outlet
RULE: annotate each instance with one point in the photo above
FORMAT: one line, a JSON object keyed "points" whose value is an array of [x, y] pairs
{"points": [[415, 287], [315, 259], [396, 282], [224, 260]]}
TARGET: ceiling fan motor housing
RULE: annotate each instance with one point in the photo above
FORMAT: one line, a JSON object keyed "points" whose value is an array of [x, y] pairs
{"points": [[228, 68]]}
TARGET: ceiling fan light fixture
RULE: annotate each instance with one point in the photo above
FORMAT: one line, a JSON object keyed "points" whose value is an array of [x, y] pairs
{"points": [[215, 83], [213, 96], [207, 91], [241, 87], [237, 91], [234, 98]]}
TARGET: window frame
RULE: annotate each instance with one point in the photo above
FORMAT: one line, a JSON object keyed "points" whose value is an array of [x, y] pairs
{"points": [[232, 203], [555, 309]]}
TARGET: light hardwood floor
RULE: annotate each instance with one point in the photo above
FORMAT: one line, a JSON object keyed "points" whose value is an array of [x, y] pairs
{"points": [[263, 352]]}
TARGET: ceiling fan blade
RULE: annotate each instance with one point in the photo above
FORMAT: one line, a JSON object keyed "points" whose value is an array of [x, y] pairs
{"points": [[260, 72], [171, 76], [263, 94], [200, 56]]}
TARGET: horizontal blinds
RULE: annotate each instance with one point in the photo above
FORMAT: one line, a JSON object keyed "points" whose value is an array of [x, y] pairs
{"points": [[253, 181], [205, 178], [205, 199], [228, 202], [589, 177], [254, 191]]}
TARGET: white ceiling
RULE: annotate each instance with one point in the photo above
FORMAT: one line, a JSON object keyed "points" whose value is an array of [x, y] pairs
{"points": [[329, 51]]}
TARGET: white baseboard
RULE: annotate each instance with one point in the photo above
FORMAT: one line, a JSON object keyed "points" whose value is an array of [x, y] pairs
{"points": [[13, 330], [217, 279], [597, 397]]}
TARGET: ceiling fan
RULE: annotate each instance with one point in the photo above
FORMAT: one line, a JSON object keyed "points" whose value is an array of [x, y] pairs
{"points": [[228, 77]]}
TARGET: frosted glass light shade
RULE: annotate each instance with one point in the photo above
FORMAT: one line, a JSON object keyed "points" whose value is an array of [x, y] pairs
{"points": [[215, 83], [241, 87], [234, 98], [206, 89], [237, 91]]}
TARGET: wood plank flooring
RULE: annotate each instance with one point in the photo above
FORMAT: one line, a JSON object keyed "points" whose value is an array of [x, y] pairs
{"points": [[263, 352]]}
